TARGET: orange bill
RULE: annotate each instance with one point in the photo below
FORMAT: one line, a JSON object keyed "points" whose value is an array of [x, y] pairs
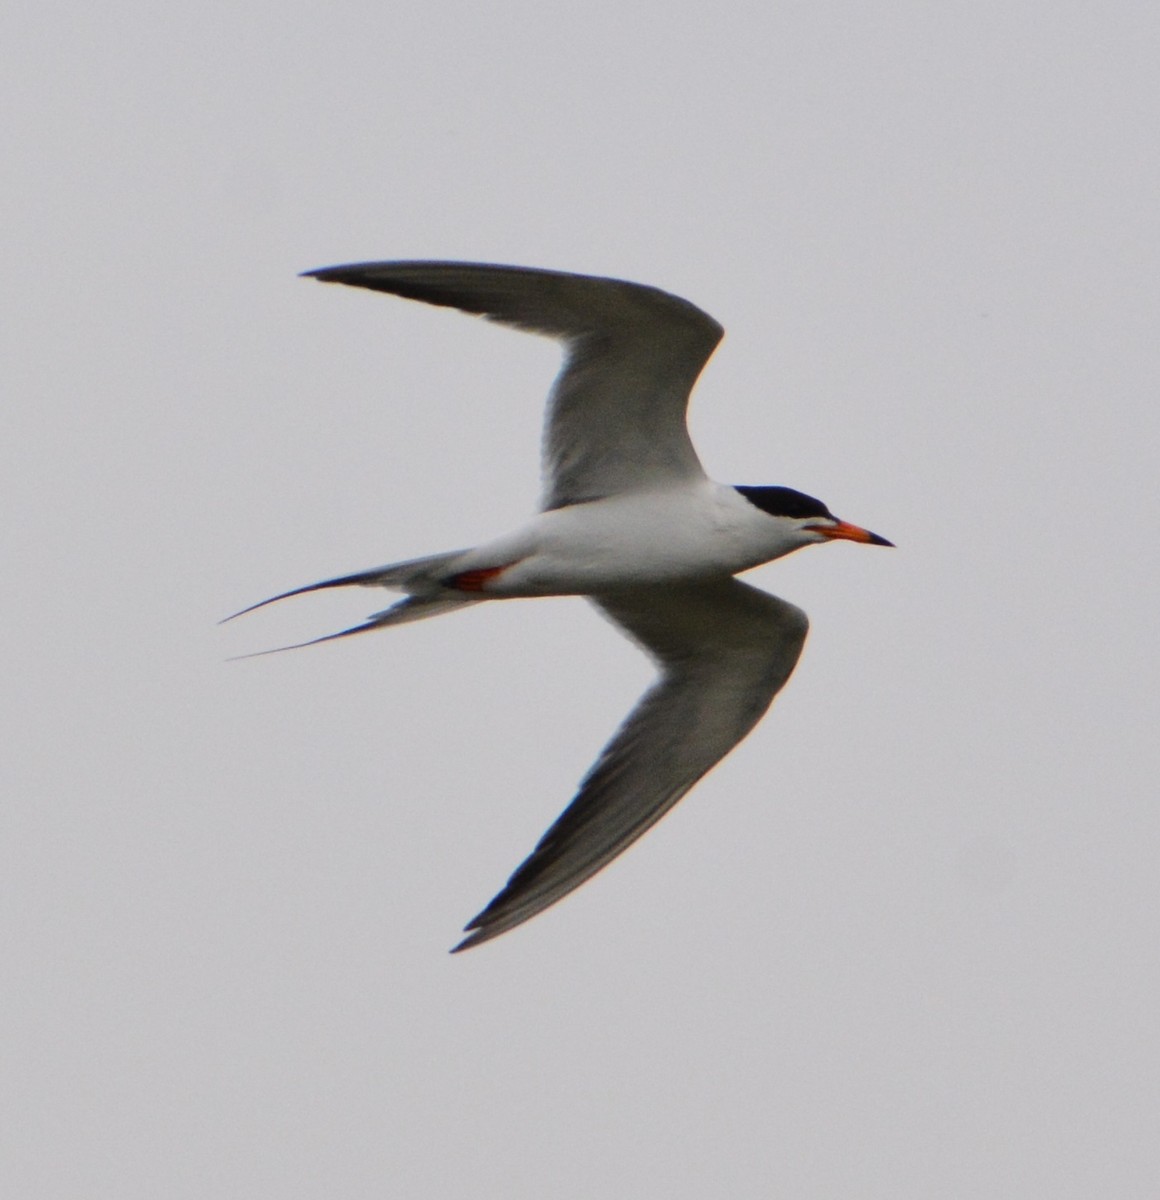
{"points": [[844, 531]]}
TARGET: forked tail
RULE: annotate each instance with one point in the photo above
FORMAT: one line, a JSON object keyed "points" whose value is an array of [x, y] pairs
{"points": [[421, 578]]}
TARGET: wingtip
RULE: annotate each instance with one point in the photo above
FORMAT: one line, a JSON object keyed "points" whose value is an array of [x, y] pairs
{"points": [[342, 273], [473, 939], [478, 932]]}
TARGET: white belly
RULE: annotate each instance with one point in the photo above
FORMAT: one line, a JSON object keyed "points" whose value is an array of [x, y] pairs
{"points": [[643, 538]]}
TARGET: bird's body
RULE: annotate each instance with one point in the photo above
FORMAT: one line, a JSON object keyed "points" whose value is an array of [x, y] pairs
{"points": [[630, 520], [636, 538]]}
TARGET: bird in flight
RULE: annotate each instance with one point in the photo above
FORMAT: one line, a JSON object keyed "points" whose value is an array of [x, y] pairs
{"points": [[630, 520]]}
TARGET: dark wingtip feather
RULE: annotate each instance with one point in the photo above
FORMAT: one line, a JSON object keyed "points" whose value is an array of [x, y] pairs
{"points": [[476, 938], [486, 925], [328, 274]]}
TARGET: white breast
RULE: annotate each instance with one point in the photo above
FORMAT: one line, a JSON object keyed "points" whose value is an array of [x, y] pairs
{"points": [[643, 537]]}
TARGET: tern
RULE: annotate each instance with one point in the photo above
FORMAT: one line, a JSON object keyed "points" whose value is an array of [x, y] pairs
{"points": [[630, 520]]}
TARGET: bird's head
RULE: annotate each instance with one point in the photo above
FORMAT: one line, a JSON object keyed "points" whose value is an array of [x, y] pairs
{"points": [[810, 520]]}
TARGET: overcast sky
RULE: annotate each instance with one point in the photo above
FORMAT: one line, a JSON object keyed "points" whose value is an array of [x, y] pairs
{"points": [[903, 943]]}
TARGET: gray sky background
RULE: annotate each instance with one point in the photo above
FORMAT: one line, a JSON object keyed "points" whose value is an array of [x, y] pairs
{"points": [[903, 943]]}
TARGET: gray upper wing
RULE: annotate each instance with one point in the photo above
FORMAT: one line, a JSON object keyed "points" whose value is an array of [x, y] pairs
{"points": [[724, 649], [616, 415]]}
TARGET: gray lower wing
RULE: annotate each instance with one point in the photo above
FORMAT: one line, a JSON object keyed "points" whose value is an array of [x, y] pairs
{"points": [[725, 650], [616, 415]]}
